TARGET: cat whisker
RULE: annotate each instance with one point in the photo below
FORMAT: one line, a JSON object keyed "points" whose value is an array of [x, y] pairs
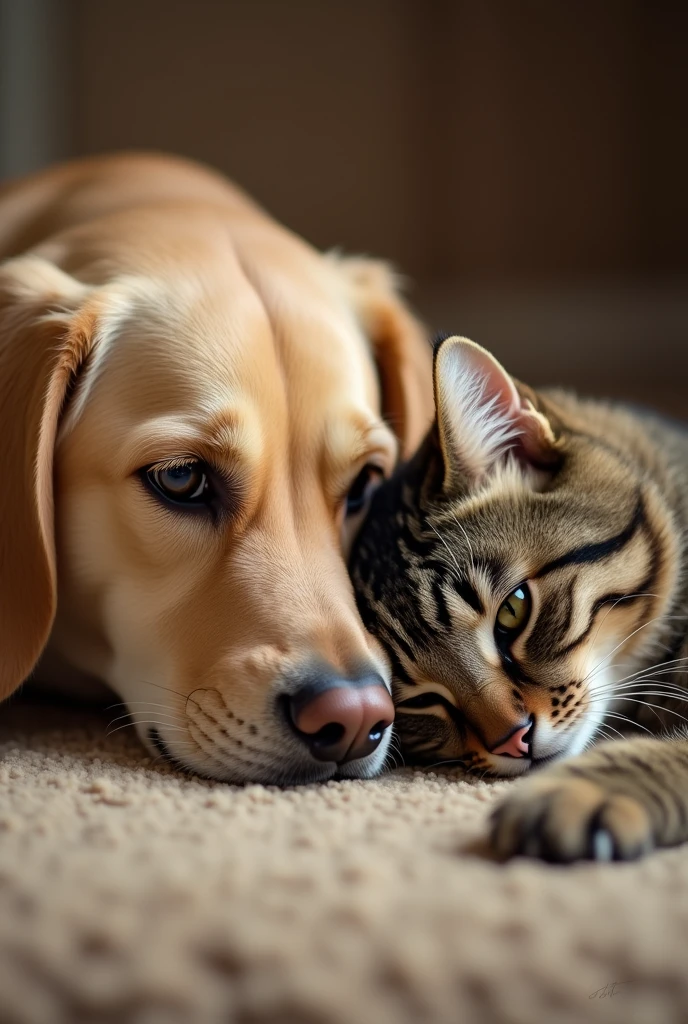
{"points": [[625, 597], [616, 731], [662, 689], [463, 531], [626, 638], [660, 707], [625, 718], [603, 730], [627, 694], [665, 684], [458, 576], [659, 691], [660, 666], [645, 693]]}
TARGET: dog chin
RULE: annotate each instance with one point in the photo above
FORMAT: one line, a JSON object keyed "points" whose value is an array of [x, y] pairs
{"points": [[277, 772], [367, 767]]}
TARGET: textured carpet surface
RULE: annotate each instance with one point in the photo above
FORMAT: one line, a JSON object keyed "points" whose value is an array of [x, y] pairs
{"points": [[129, 893]]}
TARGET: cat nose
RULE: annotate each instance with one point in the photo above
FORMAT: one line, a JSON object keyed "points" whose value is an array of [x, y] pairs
{"points": [[341, 719], [517, 743]]}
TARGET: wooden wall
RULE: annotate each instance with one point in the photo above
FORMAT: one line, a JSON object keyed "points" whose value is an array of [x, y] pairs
{"points": [[510, 139], [523, 161]]}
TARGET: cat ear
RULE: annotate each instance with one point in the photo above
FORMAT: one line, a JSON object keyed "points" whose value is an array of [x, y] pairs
{"points": [[481, 415]]}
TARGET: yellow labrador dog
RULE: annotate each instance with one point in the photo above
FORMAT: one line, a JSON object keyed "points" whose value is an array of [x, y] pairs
{"points": [[194, 409]]}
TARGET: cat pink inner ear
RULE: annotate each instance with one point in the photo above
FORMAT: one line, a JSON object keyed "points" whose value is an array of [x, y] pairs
{"points": [[499, 387], [481, 415]]}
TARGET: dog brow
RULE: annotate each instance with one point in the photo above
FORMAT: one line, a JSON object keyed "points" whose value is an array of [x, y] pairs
{"points": [[230, 435], [356, 437]]}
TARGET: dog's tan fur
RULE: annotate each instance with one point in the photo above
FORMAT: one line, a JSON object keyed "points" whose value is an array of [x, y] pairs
{"points": [[150, 311]]}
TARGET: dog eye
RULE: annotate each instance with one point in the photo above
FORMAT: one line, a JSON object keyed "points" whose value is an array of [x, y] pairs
{"points": [[185, 484], [362, 489], [514, 612]]}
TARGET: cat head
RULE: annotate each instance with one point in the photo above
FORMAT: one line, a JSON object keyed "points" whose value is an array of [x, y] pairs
{"points": [[514, 569]]}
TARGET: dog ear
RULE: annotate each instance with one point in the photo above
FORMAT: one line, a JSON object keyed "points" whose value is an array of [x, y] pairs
{"points": [[43, 343], [402, 349]]}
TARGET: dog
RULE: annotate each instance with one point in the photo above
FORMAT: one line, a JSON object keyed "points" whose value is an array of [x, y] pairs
{"points": [[195, 407]]}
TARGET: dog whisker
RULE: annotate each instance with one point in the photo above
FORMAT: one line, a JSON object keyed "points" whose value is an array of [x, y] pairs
{"points": [[130, 703], [131, 725], [185, 697], [132, 714]]}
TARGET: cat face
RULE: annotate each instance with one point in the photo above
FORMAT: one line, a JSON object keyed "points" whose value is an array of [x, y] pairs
{"points": [[514, 570]]}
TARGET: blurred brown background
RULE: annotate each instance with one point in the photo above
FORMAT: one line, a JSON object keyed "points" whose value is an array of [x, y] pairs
{"points": [[524, 162]]}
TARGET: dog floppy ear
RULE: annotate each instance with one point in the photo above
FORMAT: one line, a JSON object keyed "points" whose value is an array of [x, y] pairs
{"points": [[402, 350], [43, 342]]}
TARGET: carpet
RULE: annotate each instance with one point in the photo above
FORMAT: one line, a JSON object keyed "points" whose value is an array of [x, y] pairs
{"points": [[130, 893]]}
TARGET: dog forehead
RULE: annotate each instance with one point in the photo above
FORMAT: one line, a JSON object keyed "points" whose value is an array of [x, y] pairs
{"points": [[198, 304], [180, 342], [197, 349]]}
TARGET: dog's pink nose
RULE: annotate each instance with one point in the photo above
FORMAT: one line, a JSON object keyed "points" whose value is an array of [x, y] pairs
{"points": [[515, 745], [344, 721]]}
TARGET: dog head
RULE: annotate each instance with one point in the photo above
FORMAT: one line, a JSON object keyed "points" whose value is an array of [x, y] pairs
{"points": [[193, 415]]}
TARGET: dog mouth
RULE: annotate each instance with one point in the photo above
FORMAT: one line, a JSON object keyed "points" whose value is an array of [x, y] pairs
{"points": [[364, 768], [166, 754]]}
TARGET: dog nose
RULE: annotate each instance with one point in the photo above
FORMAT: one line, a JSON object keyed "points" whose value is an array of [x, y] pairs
{"points": [[517, 743], [342, 719]]}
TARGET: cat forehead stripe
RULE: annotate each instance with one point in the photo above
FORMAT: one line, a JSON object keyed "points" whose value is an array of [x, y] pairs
{"points": [[595, 552], [468, 593]]}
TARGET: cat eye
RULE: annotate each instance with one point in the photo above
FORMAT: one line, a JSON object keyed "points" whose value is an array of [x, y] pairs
{"points": [[186, 483], [514, 612], [362, 489]]}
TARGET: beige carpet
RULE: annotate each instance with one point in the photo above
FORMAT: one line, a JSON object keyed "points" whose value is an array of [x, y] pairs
{"points": [[131, 894]]}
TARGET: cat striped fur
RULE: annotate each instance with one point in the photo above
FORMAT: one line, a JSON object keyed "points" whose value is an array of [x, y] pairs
{"points": [[526, 573]]}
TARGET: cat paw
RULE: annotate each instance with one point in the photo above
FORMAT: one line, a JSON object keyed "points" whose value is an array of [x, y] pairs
{"points": [[567, 819]]}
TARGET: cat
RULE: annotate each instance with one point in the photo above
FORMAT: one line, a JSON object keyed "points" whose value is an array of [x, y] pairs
{"points": [[526, 573]]}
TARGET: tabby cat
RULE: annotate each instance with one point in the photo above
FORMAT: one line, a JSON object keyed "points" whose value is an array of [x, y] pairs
{"points": [[526, 572]]}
